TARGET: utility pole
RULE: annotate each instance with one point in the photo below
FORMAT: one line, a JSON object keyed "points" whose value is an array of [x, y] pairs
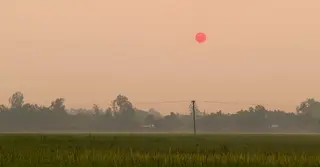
{"points": [[194, 116]]}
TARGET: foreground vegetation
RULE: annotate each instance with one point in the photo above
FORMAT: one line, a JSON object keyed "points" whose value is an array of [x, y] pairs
{"points": [[147, 150]]}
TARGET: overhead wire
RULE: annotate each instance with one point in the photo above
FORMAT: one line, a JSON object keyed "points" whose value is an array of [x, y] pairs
{"points": [[231, 103], [201, 103], [206, 101], [160, 102]]}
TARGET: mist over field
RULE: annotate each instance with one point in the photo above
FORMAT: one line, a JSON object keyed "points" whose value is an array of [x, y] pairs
{"points": [[123, 116]]}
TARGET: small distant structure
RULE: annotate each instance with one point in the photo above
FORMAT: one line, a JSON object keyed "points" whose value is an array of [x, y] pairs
{"points": [[274, 126], [148, 126]]}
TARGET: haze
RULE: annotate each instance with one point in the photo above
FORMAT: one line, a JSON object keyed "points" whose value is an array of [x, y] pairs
{"points": [[90, 51]]}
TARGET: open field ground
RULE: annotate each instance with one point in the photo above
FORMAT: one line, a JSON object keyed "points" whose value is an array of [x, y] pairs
{"points": [[151, 150]]}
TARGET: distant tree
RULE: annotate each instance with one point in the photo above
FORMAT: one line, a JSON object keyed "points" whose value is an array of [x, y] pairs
{"points": [[260, 109], [140, 115], [58, 105], [3, 108], [149, 120], [309, 107], [219, 113], [31, 107], [123, 116], [96, 109], [108, 112], [155, 113], [123, 107], [44, 109], [251, 109], [169, 122], [16, 101]]}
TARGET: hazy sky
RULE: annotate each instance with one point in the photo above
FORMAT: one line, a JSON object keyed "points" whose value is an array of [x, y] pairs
{"points": [[90, 51]]}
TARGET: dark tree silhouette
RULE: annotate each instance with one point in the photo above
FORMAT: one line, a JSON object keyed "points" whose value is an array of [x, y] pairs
{"points": [[123, 116]]}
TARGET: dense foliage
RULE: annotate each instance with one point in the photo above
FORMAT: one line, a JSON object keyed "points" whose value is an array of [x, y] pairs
{"points": [[123, 116]]}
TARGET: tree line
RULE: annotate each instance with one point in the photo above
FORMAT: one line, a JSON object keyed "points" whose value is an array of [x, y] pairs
{"points": [[122, 116]]}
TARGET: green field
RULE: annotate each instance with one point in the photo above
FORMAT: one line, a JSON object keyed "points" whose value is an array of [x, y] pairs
{"points": [[151, 150]]}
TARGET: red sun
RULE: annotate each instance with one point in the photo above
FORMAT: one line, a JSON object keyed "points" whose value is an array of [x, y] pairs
{"points": [[201, 37]]}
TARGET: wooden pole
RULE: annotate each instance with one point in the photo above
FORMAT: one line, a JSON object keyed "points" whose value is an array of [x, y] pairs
{"points": [[194, 117]]}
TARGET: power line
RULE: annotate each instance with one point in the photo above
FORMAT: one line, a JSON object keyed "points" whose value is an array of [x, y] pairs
{"points": [[161, 102], [207, 101], [251, 104], [232, 103]]}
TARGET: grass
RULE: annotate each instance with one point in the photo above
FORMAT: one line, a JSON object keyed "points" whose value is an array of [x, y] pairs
{"points": [[153, 150]]}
